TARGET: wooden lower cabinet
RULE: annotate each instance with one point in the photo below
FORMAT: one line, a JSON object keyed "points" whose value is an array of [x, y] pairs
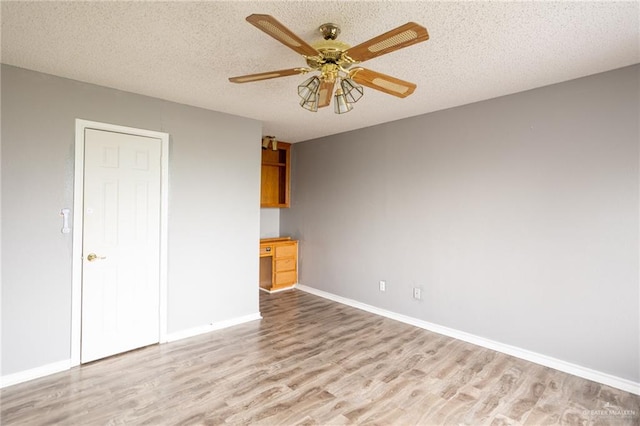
{"points": [[278, 263]]}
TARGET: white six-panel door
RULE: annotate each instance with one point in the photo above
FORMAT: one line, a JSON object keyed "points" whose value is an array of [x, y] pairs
{"points": [[121, 243]]}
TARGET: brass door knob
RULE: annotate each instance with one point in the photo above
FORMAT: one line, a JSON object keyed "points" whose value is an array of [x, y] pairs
{"points": [[92, 256]]}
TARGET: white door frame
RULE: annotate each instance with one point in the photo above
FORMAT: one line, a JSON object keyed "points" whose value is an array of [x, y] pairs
{"points": [[78, 201]]}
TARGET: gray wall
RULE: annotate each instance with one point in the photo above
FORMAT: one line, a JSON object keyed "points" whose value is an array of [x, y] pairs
{"points": [[269, 223], [517, 216], [214, 215]]}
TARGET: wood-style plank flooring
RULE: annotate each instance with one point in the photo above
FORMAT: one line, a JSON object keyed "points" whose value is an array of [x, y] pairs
{"points": [[313, 361]]}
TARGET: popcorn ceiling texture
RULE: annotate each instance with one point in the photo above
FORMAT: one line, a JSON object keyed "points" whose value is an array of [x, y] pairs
{"points": [[185, 51]]}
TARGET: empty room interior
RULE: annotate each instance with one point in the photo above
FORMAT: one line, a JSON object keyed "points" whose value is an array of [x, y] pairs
{"points": [[320, 212]]}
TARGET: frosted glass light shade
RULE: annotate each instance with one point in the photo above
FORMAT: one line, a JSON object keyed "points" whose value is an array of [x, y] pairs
{"points": [[340, 103], [310, 104], [352, 91], [309, 88]]}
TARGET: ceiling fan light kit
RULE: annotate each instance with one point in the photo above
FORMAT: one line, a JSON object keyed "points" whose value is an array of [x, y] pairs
{"points": [[333, 60]]}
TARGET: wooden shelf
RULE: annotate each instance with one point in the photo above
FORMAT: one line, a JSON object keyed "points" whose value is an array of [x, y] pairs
{"points": [[275, 176]]}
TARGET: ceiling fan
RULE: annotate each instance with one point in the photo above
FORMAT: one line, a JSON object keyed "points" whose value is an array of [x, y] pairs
{"points": [[335, 60]]}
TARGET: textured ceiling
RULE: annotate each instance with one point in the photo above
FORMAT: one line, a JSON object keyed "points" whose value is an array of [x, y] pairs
{"points": [[185, 51]]}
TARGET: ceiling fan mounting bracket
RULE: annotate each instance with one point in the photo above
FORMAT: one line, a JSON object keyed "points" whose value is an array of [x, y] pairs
{"points": [[329, 31]]}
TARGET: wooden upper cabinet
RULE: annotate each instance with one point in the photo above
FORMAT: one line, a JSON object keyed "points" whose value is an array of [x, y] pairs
{"points": [[276, 172]]}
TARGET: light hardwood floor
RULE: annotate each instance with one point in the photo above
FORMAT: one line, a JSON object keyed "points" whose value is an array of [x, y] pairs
{"points": [[313, 361]]}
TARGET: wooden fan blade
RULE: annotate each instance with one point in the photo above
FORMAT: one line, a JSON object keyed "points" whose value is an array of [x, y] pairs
{"points": [[266, 75], [324, 93], [382, 82], [275, 29], [403, 36]]}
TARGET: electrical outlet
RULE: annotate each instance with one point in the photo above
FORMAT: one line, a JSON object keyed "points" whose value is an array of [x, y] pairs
{"points": [[417, 293], [383, 286]]}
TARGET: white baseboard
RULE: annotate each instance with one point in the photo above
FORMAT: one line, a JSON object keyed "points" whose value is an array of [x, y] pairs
{"points": [[34, 373], [278, 290], [45, 370], [183, 334], [547, 361]]}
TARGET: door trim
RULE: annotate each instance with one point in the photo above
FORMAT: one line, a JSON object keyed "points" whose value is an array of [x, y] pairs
{"points": [[78, 201]]}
